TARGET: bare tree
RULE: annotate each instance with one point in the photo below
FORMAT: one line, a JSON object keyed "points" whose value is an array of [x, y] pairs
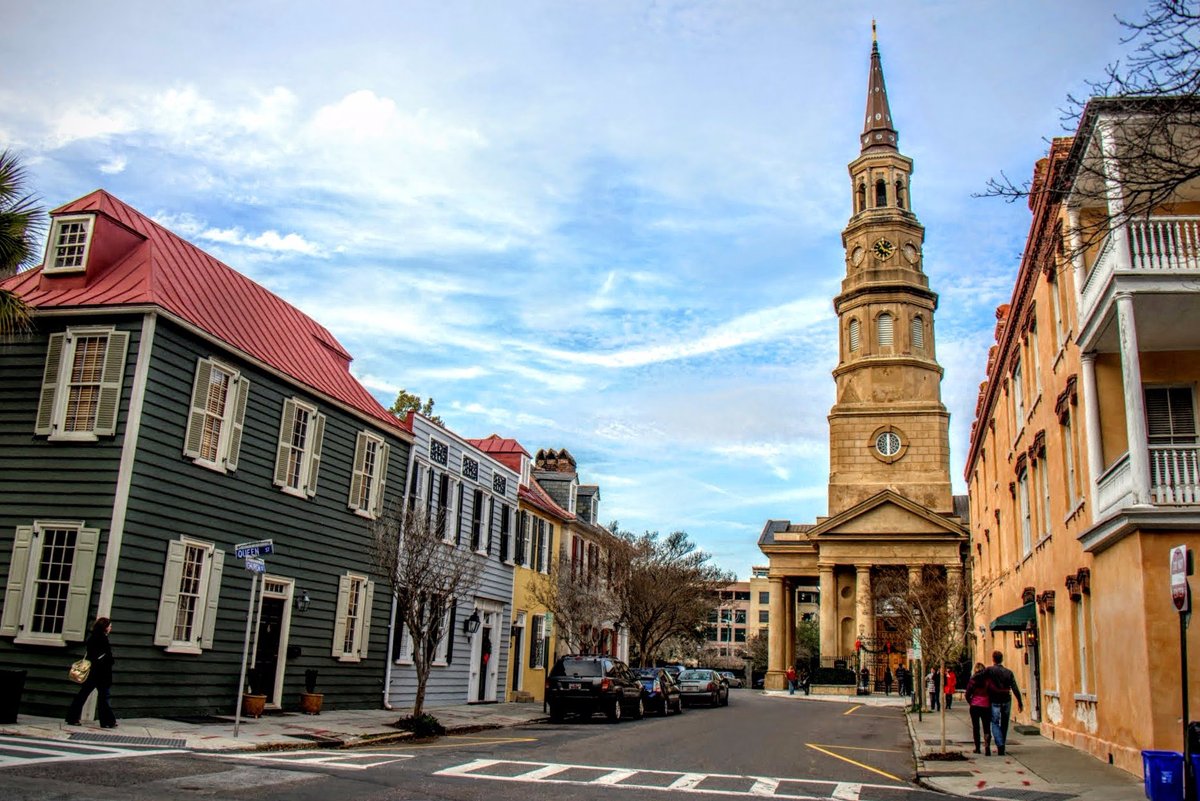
{"points": [[426, 574], [582, 599], [935, 609], [670, 590], [1155, 90]]}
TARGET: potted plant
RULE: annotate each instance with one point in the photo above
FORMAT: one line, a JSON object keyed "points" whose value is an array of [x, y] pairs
{"points": [[253, 703], [310, 699]]}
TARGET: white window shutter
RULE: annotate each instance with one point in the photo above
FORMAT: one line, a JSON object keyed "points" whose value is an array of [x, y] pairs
{"points": [[110, 383], [314, 462], [339, 616], [381, 469], [45, 410], [357, 476], [241, 388], [854, 325], [213, 598], [364, 619], [883, 325], [18, 570], [79, 594], [195, 426], [286, 424], [168, 602], [918, 333]]}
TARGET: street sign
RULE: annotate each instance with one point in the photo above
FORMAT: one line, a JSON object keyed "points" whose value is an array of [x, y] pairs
{"points": [[915, 650], [255, 565], [260, 548], [1179, 585]]}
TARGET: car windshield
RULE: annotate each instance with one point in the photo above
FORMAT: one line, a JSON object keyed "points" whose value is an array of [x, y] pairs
{"points": [[727, 674], [579, 668], [648, 673], [694, 675]]}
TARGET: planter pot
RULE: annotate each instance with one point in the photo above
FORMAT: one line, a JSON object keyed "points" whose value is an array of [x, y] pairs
{"points": [[310, 703], [253, 705]]}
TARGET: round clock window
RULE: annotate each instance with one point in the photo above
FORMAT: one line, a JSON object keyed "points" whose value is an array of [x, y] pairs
{"points": [[887, 443]]}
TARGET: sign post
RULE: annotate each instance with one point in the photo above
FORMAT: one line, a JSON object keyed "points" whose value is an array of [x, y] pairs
{"points": [[1180, 592], [249, 551]]}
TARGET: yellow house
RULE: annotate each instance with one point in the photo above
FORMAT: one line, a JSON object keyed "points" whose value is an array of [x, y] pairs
{"points": [[533, 552], [1084, 465]]}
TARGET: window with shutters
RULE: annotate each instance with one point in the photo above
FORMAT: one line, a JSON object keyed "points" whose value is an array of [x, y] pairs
{"points": [[918, 333], [68, 244], [214, 431], [352, 617], [1044, 478], [298, 461], [81, 384], [522, 539], [537, 642], [368, 480], [478, 543], [505, 532], [883, 330], [1026, 517], [49, 583], [1170, 416], [1018, 398], [191, 590], [854, 334]]}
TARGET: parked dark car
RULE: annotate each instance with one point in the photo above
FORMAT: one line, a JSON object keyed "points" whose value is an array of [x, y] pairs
{"points": [[660, 693], [585, 685], [703, 686]]}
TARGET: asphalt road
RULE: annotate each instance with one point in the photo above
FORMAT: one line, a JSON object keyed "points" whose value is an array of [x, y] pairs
{"points": [[755, 747]]}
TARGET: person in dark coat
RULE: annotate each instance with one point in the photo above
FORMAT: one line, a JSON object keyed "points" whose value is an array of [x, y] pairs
{"points": [[1002, 689], [99, 653], [979, 699]]}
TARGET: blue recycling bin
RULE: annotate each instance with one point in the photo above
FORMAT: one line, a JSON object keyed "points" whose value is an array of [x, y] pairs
{"points": [[1163, 772]]}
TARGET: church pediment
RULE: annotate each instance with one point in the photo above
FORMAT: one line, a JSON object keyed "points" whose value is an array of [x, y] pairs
{"points": [[887, 513]]}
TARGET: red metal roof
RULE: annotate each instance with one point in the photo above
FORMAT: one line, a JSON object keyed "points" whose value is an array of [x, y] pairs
{"points": [[504, 450], [159, 268]]}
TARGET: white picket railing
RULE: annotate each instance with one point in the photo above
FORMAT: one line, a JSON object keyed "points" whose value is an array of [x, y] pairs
{"points": [[1174, 474], [1156, 245], [1114, 490]]}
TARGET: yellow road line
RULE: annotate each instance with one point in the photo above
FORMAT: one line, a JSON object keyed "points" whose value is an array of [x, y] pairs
{"points": [[851, 709], [856, 748], [854, 762]]}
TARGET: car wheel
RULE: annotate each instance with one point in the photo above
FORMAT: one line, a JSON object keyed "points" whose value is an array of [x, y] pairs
{"points": [[614, 712], [679, 707], [639, 711], [716, 699], [725, 699]]}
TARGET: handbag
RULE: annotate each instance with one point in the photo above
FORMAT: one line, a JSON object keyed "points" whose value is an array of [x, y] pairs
{"points": [[80, 670]]}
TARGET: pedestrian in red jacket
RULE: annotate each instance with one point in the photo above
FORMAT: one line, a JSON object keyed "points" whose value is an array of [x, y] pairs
{"points": [[950, 685]]}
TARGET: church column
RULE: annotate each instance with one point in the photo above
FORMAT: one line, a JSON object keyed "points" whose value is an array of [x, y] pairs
{"points": [[866, 602], [776, 658], [789, 617], [914, 575], [829, 633], [954, 598]]}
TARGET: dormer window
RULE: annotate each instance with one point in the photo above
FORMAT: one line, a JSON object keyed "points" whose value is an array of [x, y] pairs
{"points": [[67, 247]]}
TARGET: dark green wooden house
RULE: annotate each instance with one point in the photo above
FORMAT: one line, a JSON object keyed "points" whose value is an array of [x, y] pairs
{"points": [[165, 409]]}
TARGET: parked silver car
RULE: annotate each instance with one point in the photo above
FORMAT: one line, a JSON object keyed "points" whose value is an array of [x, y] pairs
{"points": [[703, 686], [732, 679]]}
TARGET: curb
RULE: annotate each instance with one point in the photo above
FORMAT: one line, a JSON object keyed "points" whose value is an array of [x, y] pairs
{"points": [[347, 742]]}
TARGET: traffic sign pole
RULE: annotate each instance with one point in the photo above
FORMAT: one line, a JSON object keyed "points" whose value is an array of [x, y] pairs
{"points": [[237, 715]]}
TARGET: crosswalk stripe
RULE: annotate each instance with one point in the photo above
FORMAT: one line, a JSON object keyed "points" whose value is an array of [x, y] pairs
{"points": [[764, 786], [342, 760], [615, 776], [687, 781], [847, 792], [542, 773]]}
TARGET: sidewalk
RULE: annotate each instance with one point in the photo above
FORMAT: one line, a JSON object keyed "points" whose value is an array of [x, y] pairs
{"points": [[1036, 767], [279, 731], [875, 699]]}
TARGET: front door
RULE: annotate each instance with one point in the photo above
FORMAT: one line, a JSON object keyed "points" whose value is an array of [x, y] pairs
{"points": [[518, 642], [484, 644], [485, 656], [270, 642]]}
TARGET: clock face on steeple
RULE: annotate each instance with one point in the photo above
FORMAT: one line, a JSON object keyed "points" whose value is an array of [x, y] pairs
{"points": [[883, 249]]}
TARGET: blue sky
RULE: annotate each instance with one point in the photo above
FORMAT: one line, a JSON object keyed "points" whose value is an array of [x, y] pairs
{"points": [[611, 226]]}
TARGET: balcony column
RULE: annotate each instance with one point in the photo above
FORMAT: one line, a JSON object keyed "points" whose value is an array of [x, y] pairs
{"points": [[1114, 197], [829, 600], [1135, 411], [776, 660], [1091, 415], [1075, 248]]}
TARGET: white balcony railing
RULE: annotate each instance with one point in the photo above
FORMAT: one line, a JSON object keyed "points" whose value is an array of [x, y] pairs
{"points": [[1156, 245], [1114, 489], [1174, 474]]}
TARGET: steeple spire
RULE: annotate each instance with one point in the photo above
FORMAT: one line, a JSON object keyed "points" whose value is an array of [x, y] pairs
{"points": [[878, 133]]}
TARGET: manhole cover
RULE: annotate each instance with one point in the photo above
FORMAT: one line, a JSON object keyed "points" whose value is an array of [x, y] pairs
{"points": [[118, 739]]}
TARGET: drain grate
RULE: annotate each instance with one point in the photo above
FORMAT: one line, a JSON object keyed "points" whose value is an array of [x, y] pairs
{"points": [[119, 739]]}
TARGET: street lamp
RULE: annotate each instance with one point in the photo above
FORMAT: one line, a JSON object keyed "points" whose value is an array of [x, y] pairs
{"points": [[471, 624], [302, 602]]}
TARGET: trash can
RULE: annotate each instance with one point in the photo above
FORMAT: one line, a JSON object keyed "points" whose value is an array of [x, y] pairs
{"points": [[1163, 772], [12, 684]]}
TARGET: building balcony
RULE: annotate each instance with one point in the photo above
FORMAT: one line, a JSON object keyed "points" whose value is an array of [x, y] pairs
{"points": [[1157, 260], [1174, 480]]}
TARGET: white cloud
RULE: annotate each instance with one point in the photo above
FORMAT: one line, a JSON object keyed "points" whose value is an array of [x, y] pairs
{"points": [[114, 165]]}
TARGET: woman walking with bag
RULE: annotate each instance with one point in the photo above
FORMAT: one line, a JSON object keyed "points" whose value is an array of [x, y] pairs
{"points": [[980, 704], [99, 653]]}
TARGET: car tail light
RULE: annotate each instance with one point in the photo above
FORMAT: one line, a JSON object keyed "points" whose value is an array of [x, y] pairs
{"points": [[711, 686], [605, 684], [549, 684]]}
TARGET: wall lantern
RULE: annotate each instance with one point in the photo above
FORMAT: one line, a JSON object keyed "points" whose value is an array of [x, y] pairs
{"points": [[1019, 639], [1030, 635], [302, 601], [471, 624]]}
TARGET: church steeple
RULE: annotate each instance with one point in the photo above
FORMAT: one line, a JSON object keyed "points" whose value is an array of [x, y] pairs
{"points": [[878, 133]]}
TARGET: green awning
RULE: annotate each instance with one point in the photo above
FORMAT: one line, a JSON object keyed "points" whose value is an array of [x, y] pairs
{"points": [[1017, 619]]}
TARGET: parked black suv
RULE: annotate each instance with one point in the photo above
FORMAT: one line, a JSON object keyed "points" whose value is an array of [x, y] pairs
{"points": [[585, 685]]}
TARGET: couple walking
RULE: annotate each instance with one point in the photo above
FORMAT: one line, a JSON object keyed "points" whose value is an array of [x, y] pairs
{"points": [[990, 692]]}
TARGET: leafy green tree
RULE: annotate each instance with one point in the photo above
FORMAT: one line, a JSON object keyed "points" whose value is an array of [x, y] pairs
{"points": [[408, 402], [21, 225]]}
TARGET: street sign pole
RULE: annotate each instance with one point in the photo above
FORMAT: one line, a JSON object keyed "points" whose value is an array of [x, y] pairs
{"points": [[1181, 597], [237, 715]]}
